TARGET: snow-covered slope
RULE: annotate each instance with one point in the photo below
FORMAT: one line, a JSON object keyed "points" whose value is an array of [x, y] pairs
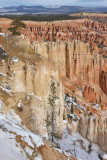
{"points": [[16, 142], [76, 145]]}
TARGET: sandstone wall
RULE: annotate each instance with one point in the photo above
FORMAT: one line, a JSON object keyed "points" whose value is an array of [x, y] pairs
{"points": [[76, 62], [26, 83], [95, 130]]}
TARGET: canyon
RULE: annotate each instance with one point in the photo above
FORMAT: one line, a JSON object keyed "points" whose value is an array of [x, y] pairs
{"points": [[73, 53], [79, 50]]}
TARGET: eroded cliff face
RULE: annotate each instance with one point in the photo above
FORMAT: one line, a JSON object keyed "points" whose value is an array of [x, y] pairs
{"points": [[95, 130], [26, 84], [79, 49], [89, 122], [76, 62], [103, 79]]}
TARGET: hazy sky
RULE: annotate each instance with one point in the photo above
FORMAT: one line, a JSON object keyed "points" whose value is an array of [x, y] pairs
{"points": [[53, 2]]}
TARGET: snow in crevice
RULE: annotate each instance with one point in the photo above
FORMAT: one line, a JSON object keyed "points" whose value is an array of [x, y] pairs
{"points": [[6, 90], [29, 151], [1, 103], [15, 59], [31, 94], [2, 74]]}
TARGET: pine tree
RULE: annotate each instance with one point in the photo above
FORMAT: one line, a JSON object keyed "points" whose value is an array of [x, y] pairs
{"points": [[72, 109], [89, 148], [75, 100], [51, 101], [0, 29], [66, 96], [17, 24]]}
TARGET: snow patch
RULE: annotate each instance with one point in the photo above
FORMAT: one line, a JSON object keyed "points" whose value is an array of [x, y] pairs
{"points": [[3, 34], [9, 148], [1, 103], [31, 94], [13, 117], [6, 90], [39, 157], [105, 156], [3, 60], [29, 151], [15, 59], [76, 144], [20, 104], [2, 74]]}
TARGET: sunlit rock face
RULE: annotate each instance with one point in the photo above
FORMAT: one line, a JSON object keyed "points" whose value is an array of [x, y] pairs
{"points": [[94, 130], [25, 86], [78, 47], [76, 62]]}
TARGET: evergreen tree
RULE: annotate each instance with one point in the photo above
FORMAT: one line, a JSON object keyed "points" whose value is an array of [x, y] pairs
{"points": [[17, 24], [0, 29], [75, 100], [51, 101], [72, 109], [89, 148]]}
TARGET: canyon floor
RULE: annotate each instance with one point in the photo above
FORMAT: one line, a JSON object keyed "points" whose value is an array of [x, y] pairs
{"points": [[73, 54]]}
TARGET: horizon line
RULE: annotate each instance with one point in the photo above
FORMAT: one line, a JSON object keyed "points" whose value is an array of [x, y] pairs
{"points": [[52, 5]]}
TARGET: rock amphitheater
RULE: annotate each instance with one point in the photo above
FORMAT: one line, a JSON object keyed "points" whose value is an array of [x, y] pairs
{"points": [[74, 54]]}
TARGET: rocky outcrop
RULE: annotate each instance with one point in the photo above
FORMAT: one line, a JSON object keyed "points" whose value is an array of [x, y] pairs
{"points": [[90, 94], [103, 79], [49, 153], [95, 130], [26, 82]]}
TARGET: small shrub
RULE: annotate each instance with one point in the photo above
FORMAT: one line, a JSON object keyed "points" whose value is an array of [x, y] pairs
{"points": [[66, 96], [72, 109], [90, 113], [0, 29], [100, 156], [75, 99], [89, 148]]}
